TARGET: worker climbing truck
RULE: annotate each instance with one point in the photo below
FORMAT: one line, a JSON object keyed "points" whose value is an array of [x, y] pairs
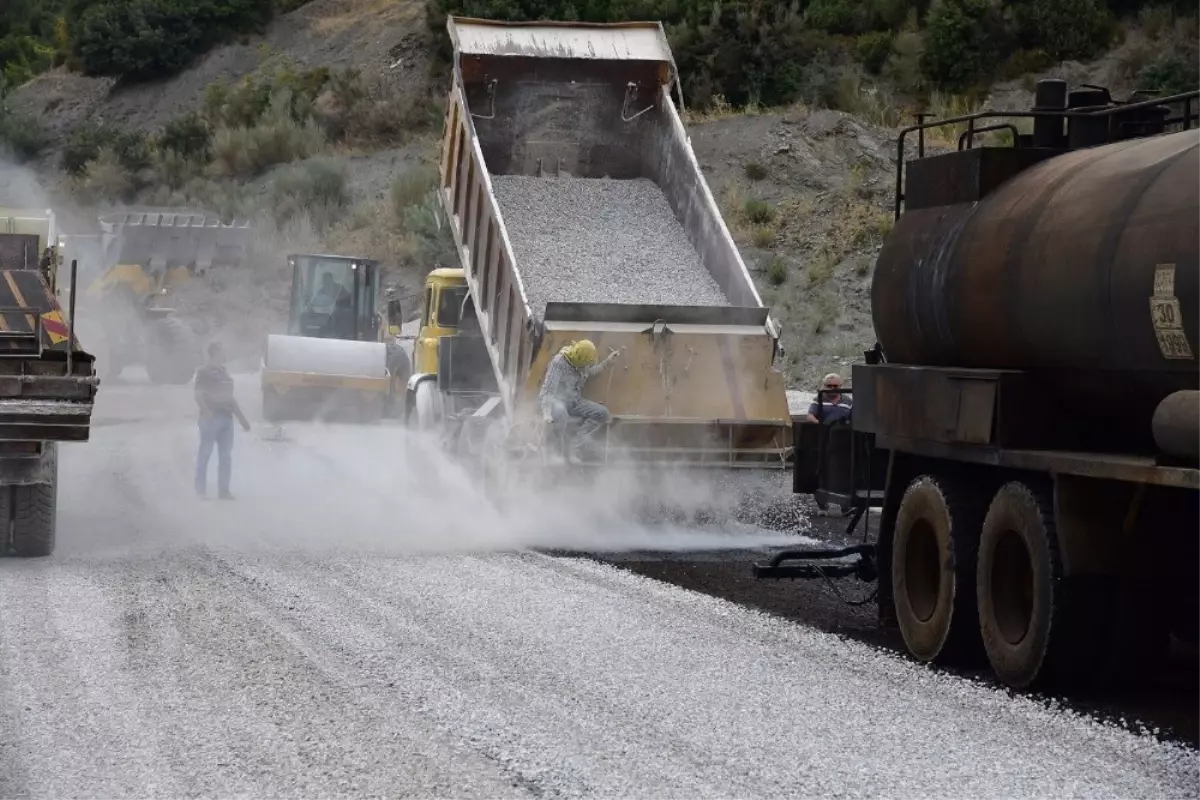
{"points": [[1029, 421], [578, 210], [47, 382]]}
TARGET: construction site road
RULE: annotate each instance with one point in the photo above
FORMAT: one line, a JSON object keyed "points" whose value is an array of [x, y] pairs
{"points": [[342, 629]]}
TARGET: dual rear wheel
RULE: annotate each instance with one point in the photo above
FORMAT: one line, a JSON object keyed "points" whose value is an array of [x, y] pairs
{"points": [[976, 572]]}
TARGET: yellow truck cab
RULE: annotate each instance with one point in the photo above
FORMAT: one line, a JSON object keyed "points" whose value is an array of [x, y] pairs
{"points": [[445, 299], [441, 312]]}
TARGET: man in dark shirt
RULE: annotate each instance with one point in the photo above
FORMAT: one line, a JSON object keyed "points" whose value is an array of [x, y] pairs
{"points": [[218, 407], [830, 409]]}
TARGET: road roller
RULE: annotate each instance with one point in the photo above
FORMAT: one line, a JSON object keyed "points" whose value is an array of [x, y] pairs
{"points": [[340, 358], [1026, 426]]}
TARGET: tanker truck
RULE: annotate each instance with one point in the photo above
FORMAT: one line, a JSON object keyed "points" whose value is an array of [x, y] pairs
{"points": [[1027, 424], [578, 210]]}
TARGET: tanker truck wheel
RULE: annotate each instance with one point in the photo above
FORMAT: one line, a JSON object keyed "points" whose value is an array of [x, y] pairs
{"points": [[1022, 613], [172, 352], [33, 511], [933, 568]]}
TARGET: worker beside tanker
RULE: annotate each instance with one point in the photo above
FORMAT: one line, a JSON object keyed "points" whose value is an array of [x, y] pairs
{"points": [[561, 395], [218, 408], [832, 408]]}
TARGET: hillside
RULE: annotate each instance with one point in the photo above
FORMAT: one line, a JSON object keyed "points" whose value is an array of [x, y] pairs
{"points": [[324, 128]]}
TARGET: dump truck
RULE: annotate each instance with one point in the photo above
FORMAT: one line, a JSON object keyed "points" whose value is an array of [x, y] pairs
{"points": [[131, 267], [1028, 424], [339, 356], [47, 381], [579, 210]]}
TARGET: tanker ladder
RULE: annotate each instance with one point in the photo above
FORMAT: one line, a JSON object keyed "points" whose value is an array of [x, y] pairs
{"points": [[834, 464]]}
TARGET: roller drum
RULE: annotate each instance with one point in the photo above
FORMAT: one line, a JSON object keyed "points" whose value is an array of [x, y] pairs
{"points": [[326, 356]]}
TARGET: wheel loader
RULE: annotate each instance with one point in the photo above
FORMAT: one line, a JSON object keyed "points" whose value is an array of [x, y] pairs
{"points": [[136, 262], [340, 357]]}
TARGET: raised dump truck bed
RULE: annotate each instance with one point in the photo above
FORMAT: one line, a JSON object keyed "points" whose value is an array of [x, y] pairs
{"points": [[579, 210]]}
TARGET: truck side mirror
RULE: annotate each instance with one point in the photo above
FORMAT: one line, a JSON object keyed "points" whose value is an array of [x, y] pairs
{"points": [[395, 318]]}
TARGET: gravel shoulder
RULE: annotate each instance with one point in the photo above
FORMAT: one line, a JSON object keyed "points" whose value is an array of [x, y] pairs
{"points": [[176, 648]]}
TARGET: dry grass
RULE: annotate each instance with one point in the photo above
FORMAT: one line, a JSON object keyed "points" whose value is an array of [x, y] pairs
{"points": [[720, 109], [376, 12], [762, 236], [776, 271]]}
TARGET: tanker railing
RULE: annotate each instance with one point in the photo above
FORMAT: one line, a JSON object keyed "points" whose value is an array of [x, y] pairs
{"points": [[1186, 118]]}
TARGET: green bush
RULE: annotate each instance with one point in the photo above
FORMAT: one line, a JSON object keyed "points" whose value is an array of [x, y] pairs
{"points": [[411, 188], [963, 42], [316, 188], [277, 138], [874, 49], [758, 212], [143, 39], [847, 17], [21, 135], [1065, 29], [755, 171], [131, 148], [425, 223], [1169, 74], [189, 137], [777, 271]]}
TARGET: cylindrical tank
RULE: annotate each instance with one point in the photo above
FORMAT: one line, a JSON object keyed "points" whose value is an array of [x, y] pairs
{"points": [[1084, 268]]}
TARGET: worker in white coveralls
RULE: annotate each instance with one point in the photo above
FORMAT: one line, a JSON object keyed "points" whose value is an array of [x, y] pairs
{"points": [[561, 396]]}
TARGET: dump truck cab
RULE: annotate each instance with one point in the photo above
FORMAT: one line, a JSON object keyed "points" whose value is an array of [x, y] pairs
{"points": [[441, 315]]}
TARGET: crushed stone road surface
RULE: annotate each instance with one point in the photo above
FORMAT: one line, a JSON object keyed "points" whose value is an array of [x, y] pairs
{"points": [[335, 632]]}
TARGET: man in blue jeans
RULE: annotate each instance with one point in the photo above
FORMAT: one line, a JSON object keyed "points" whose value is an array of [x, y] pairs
{"points": [[218, 407]]}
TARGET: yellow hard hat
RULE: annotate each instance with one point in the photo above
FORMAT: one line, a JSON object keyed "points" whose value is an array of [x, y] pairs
{"points": [[581, 353]]}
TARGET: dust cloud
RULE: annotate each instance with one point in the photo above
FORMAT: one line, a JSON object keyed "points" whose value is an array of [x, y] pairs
{"points": [[311, 487], [378, 489]]}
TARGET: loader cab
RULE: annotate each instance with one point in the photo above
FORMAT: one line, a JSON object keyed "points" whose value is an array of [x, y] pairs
{"points": [[445, 297], [334, 297]]}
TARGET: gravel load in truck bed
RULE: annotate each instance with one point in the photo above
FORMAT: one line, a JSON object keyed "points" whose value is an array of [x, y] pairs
{"points": [[596, 240]]}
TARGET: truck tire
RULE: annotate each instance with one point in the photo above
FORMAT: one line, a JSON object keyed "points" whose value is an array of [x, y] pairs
{"points": [[33, 511], [426, 406], [1022, 610], [933, 568], [172, 352]]}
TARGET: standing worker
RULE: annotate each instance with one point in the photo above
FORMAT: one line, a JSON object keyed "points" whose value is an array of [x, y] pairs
{"points": [[218, 407], [561, 396]]}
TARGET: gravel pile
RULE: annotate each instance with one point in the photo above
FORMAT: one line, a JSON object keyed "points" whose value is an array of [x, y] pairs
{"points": [[592, 240]]}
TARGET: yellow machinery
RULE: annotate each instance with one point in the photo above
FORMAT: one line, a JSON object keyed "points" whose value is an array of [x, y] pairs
{"points": [[445, 294], [134, 264], [695, 385], [337, 356]]}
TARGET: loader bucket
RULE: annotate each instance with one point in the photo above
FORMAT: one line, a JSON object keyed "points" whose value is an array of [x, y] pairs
{"points": [[310, 378], [164, 238], [694, 385]]}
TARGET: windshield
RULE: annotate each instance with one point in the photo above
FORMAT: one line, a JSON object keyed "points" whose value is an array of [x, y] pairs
{"points": [[331, 297], [450, 306]]}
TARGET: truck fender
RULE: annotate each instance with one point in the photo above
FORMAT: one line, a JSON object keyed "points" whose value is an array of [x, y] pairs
{"points": [[410, 392]]}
